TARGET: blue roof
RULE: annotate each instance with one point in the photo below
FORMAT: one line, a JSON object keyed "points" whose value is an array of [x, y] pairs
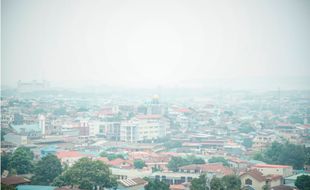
{"points": [[28, 128], [35, 187], [49, 148]]}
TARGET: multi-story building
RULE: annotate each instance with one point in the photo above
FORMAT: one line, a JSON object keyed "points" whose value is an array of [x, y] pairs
{"points": [[108, 129], [141, 128]]}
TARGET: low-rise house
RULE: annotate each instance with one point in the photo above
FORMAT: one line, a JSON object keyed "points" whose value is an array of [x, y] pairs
{"points": [[178, 187], [129, 173], [69, 157], [254, 179], [283, 187], [117, 163], [174, 177], [131, 184], [237, 163], [269, 169], [216, 169]]}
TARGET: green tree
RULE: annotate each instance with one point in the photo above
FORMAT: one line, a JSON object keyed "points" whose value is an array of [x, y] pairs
{"points": [[303, 182], [258, 156], [216, 184], [59, 181], [199, 183], [156, 185], [246, 128], [114, 156], [7, 187], [5, 157], [139, 164], [266, 187], [231, 182], [21, 160], [198, 161], [46, 170], [177, 162], [104, 154], [219, 159], [287, 154], [87, 174], [247, 143]]}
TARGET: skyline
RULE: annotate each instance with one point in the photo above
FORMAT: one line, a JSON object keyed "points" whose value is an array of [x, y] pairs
{"points": [[162, 43]]}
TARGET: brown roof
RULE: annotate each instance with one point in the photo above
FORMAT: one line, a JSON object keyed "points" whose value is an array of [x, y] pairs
{"points": [[283, 187], [177, 187], [14, 180], [255, 174], [214, 167]]}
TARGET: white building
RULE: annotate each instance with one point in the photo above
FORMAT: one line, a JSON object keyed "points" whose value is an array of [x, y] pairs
{"points": [[144, 127], [42, 124], [269, 169]]}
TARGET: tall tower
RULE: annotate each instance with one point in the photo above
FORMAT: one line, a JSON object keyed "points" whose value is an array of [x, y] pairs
{"points": [[42, 124]]}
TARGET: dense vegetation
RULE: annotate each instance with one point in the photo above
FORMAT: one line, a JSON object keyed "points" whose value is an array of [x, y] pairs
{"points": [[229, 182], [21, 161], [46, 170], [87, 174], [138, 164], [219, 160], [177, 162], [156, 185], [111, 156], [303, 182], [286, 154]]}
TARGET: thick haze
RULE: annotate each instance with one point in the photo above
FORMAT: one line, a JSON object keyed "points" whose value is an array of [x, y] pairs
{"points": [[155, 43]]}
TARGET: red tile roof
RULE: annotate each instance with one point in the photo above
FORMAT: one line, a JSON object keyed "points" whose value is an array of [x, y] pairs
{"points": [[177, 187], [255, 174], [214, 168], [67, 154], [183, 110]]}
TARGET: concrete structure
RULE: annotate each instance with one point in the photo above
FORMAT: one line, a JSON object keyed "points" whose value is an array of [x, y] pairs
{"points": [[130, 173], [268, 169], [16, 139], [42, 124], [174, 177], [291, 179], [143, 128], [32, 131]]}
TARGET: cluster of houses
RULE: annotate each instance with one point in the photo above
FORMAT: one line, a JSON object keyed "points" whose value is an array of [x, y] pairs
{"points": [[232, 127]]}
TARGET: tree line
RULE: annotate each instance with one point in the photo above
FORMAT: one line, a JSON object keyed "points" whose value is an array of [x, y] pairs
{"points": [[285, 154], [85, 173]]}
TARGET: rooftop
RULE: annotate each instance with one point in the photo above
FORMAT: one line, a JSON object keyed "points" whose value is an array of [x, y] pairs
{"points": [[270, 166]]}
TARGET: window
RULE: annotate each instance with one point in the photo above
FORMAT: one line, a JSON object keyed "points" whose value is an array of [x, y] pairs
{"points": [[248, 182]]}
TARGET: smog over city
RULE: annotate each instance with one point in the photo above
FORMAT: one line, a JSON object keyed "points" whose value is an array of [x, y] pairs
{"points": [[155, 95]]}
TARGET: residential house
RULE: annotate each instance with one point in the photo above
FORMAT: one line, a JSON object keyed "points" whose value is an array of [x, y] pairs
{"points": [[269, 169], [254, 179]]}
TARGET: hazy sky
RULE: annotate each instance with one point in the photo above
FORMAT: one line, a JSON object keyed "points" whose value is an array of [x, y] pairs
{"points": [[140, 43]]}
